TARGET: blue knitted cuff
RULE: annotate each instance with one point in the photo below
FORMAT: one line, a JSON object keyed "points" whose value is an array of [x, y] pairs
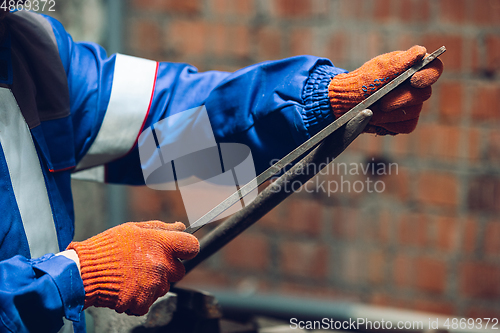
{"points": [[317, 113]]}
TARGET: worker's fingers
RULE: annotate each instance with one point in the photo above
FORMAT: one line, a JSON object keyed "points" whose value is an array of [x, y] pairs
{"points": [[398, 115], [399, 61], [183, 245], [427, 75], [378, 130], [404, 96], [402, 127], [138, 306], [159, 225], [177, 272]]}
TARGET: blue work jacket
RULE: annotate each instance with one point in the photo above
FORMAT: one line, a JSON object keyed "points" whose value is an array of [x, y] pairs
{"points": [[79, 112]]}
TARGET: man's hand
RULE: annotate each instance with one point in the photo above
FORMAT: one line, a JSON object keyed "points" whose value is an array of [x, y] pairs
{"points": [[128, 267], [398, 111]]}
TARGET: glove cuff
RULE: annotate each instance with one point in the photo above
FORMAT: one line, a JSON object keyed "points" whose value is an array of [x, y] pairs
{"points": [[345, 92], [101, 272]]}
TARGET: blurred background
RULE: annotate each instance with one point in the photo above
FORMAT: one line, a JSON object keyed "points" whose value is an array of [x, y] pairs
{"points": [[430, 241]]}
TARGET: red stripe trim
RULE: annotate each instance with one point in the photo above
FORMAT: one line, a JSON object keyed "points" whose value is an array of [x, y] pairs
{"points": [[63, 169], [147, 113]]}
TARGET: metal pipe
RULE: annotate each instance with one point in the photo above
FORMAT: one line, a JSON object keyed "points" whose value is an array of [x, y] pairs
{"points": [[275, 193], [286, 307]]}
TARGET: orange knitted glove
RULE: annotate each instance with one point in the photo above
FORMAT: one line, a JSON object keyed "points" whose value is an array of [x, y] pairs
{"points": [[128, 267], [398, 111]]}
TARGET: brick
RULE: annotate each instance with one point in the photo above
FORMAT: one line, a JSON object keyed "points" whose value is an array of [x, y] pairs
{"points": [[438, 189], [474, 152], [406, 40], [370, 224], [344, 222], [170, 6], [269, 43], [421, 10], [352, 9], [240, 8], [148, 204], [452, 58], [439, 141], [218, 41], [447, 233], [403, 270], [273, 220], [376, 267], [430, 275], [493, 53], [187, 37], [453, 11], [373, 42], [486, 105], [446, 142], [426, 139], [372, 145], [479, 280], [494, 147], [353, 265], [184, 6], [413, 230], [220, 7], [406, 10], [363, 45], [470, 233], [401, 144], [427, 109], [145, 37], [492, 238], [476, 58], [337, 47], [249, 252], [484, 194], [433, 306], [244, 7], [384, 226], [486, 12], [238, 42], [304, 217], [382, 10], [304, 259], [301, 41], [293, 8], [450, 101]]}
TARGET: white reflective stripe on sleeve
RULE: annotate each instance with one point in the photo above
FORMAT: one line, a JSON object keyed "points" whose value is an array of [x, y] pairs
{"points": [[26, 177], [95, 174], [131, 93]]}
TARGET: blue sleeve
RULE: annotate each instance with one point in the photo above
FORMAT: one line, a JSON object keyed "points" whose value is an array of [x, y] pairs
{"points": [[39, 293], [272, 107]]}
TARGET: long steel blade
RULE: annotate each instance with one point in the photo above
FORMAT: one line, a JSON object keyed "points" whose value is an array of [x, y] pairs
{"points": [[310, 144]]}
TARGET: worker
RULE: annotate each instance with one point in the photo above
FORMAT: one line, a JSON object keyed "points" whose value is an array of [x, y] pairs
{"points": [[67, 106]]}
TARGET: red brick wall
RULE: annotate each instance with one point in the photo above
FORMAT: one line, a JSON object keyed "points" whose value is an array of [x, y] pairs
{"points": [[431, 240]]}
